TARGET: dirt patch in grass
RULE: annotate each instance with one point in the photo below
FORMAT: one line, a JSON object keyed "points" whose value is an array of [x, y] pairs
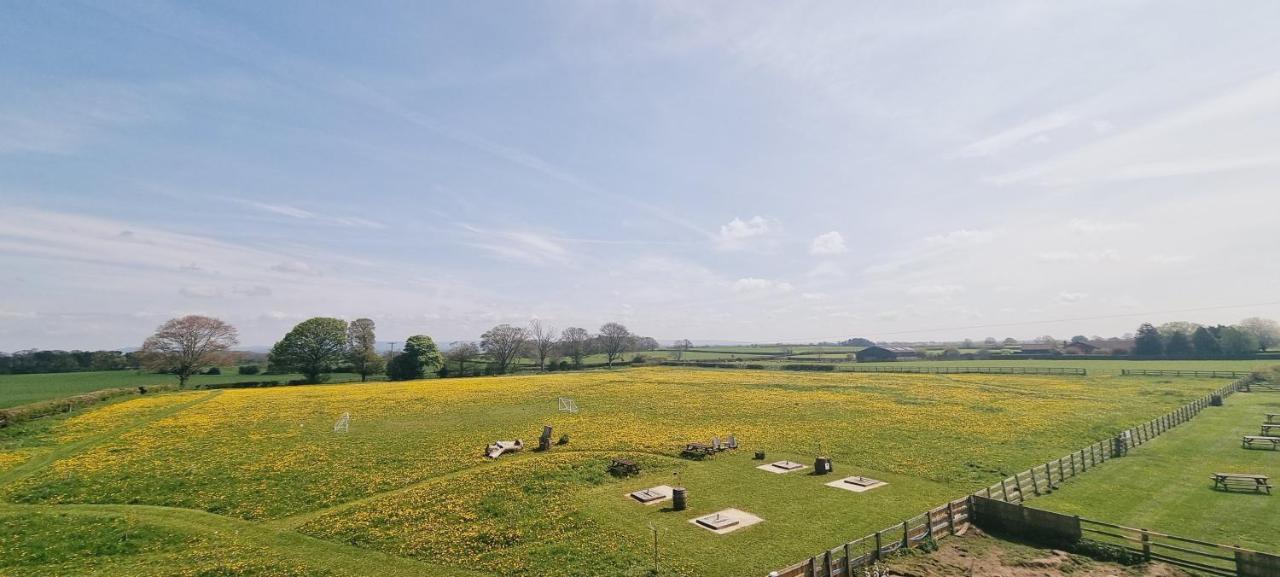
{"points": [[978, 555]]}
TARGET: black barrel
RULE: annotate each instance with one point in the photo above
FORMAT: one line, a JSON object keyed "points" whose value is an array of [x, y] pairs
{"points": [[822, 465], [679, 498]]}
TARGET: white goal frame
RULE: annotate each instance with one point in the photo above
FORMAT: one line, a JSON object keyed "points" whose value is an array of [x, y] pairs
{"points": [[566, 405], [344, 423]]}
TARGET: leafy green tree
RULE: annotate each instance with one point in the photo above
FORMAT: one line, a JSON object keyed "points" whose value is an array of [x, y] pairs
{"points": [[1178, 346], [420, 356], [1237, 343], [1148, 342], [1206, 345], [314, 347], [1079, 339], [1266, 331], [362, 349]]}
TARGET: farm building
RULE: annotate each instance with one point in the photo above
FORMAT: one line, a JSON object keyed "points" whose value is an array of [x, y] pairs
{"points": [[1079, 348], [1038, 349], [879, 353]]}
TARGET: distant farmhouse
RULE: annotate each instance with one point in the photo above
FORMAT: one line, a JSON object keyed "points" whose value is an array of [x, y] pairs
{"points": [[879, 353], [1079, 348], [1038, 349]]}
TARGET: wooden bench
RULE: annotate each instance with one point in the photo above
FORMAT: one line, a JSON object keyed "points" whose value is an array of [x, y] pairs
{"points": [[1271, 417], [1247, 441], [1267, 430], [1229, 481]]}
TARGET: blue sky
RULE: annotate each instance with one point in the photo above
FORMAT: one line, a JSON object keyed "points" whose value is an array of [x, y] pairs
{"points": [[731, 171]]}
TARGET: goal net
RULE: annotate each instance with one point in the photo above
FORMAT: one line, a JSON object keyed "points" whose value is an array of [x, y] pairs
{"points": [[567, 405], [343, 424]]}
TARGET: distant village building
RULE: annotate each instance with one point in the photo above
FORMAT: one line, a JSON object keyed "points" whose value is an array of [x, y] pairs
{"points": [[1038, 349], [1079, 348], [879, 353]]}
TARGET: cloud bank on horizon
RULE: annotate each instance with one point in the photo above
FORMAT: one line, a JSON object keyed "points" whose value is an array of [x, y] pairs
{"points": [[732, 171]]}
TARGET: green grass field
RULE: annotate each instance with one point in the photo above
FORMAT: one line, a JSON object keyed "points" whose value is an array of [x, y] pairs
{"points": [[22, 389], [1164, 486], [255, 482]]}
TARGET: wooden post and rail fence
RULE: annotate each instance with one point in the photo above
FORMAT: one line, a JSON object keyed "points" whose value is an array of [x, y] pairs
{"points": [[1000, 507]]}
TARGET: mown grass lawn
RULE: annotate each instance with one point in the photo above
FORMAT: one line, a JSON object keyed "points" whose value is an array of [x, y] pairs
{"points": [[22, 389], [1164, 486], [408, 480]]}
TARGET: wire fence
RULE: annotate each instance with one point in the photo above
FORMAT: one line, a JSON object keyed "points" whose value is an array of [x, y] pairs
{"points": [[1015, 489]]}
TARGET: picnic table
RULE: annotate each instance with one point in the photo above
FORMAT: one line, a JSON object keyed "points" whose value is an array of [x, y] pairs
{"points": [[1247, 441], [1267, 429], [698, 450], [1250, 481], [1271, 417]]}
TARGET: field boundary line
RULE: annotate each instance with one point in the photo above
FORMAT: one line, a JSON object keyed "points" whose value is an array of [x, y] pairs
{"points": [[288, 543], [73, 448], [945, 520]]}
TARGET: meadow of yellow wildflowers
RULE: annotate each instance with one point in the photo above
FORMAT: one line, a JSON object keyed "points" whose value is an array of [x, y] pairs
{"points": [[409, 479]]}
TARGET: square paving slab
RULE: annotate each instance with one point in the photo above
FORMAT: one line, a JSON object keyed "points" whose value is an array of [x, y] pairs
{"points": [[782, 467], [726, 521], [857, 484], [652, 495]]}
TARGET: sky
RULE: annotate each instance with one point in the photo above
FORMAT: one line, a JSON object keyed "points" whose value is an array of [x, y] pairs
{"points": [[719, 171]]}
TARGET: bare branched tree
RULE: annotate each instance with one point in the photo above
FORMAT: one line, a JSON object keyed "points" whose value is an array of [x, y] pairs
{"points": [[186, 345], [681, 347], [503, 344], [614, 339], [543, 339], [462, 353], [575, 343]]}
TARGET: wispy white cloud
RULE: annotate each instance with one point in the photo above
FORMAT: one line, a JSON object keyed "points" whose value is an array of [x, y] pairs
{"points": [[1085, 226], [1071, 297], [520, 246], [960, 238], [1021, 133], [760, 286], [936, 290], [827, 244], [739, 234], [307, 215]]}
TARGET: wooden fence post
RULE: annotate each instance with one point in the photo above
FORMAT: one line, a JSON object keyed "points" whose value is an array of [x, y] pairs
{"points": [[951, 519], [876, 557], [906, 536], [1146, 546], [848, 561], [826, 563]]}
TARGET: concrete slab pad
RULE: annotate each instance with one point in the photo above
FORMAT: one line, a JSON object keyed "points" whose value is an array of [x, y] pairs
{"points": [[857, 484], [726, 521], [782, 467], [652, 495]]}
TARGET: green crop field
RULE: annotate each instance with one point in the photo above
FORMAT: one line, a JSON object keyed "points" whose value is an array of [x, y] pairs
{"points": [[256, 482], [1164, 486], [22, 389]]}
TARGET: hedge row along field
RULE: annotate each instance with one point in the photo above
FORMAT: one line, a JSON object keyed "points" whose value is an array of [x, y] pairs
{"points": [[409, 478]]}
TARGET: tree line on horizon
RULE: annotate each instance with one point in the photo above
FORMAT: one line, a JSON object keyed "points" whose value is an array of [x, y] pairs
{"points": [[319, 346], [1184, 340]]}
